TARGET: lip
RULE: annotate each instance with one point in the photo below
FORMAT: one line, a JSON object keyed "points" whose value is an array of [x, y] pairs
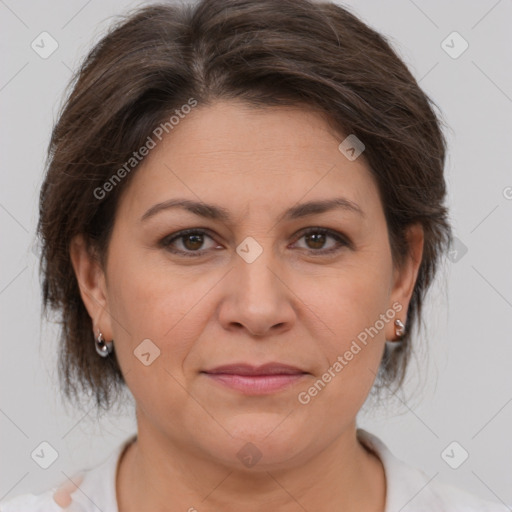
{"points": [[264, 369], [259, 380]]}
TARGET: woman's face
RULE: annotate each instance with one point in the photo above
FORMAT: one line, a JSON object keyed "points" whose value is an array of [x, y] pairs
{"points": [[252, 287]]}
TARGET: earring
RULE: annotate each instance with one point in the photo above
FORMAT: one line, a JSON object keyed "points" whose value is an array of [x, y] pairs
{"points": [[103, 348], [400, 328]]}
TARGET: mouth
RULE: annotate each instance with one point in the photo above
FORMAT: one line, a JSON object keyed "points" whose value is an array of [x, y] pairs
{"points": [[251, 380]]}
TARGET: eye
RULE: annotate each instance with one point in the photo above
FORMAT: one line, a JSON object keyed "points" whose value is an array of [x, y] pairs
{"points": [[190, 239], [316, 238]]}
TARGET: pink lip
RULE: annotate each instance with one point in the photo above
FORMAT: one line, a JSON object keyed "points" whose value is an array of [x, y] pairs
{"points": [[259, 380]]}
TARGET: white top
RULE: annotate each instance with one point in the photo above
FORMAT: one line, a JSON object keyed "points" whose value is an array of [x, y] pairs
{"points": [[407, 489]]}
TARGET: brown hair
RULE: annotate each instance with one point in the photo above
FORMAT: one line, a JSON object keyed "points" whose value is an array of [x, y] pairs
{"points": [[266, 53]]}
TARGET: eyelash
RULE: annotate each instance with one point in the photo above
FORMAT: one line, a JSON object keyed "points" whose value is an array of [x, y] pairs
{"points": [[169, 239]]}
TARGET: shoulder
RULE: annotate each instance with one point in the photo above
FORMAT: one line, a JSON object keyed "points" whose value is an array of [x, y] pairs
{"points": [[410, 489], [43, 502], [55, 499], [455, 499], [88, 491]]}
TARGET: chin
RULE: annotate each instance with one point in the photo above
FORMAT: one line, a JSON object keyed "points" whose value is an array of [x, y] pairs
{"points": [[262, 440]]}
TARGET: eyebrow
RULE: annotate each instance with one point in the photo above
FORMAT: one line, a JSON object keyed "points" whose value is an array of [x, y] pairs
{"points": [[211, 211]]}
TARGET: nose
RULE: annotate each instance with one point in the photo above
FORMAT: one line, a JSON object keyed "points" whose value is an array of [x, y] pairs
{"points": [[257, 298]]}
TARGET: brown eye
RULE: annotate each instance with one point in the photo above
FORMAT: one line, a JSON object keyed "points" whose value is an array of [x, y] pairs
{"points": [[191, 242], [316, 239]]}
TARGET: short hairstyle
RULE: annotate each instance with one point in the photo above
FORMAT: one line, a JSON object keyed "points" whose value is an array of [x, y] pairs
{"points": [[265, 53]]}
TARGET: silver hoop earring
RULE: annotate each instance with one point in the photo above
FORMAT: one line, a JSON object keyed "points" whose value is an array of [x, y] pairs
{"points": [[103, 348], [400, 328]]}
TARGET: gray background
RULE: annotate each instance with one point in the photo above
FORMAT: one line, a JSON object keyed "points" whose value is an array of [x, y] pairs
{"points": [[460, 385]]}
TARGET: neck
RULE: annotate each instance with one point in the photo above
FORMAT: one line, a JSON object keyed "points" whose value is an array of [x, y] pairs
{"points": [[156, 473]]}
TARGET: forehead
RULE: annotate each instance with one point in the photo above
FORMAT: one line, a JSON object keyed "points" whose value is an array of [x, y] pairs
{"points": [[250, 159]]}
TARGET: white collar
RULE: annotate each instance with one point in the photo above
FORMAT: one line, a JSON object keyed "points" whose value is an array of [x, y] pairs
{"points": [[408, 489]]}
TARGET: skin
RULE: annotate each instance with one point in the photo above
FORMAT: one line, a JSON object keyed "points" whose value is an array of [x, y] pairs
{"points": [[289, 305]]}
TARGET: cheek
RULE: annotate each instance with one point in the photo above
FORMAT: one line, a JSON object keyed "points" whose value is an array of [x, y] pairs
{"points": [[155, 303], [359, 295], [353, 353], [152, 332], [356, 299], [145, 299]]}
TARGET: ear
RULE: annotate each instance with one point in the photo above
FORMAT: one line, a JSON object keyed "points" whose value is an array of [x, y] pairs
{"points": [[92, 283], [405, 275]]}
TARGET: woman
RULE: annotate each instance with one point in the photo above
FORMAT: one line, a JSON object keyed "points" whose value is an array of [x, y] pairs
{"points": [[242, 213]]}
